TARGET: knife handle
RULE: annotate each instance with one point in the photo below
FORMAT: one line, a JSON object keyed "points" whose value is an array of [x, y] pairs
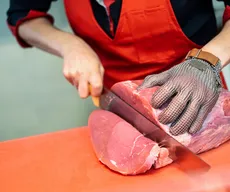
{"points": [[95, 100]]}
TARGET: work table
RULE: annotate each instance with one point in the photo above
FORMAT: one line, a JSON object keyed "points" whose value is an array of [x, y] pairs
{"points": [[64, 161]]}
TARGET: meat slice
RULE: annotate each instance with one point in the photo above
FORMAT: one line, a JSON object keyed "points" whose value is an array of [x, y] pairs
{"points": [[214, 132], [123, 149], [120, 146]]}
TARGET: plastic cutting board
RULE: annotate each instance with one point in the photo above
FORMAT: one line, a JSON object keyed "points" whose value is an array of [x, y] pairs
{"points": [[65, 162]]}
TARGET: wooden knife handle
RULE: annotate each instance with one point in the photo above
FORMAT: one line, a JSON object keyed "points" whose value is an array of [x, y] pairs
{"points": [[95, 100]]}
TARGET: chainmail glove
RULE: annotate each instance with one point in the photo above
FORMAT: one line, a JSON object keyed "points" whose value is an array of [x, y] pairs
{"points": [[192, 89]]}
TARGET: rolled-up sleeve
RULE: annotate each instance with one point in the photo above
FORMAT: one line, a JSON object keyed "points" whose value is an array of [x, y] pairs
{"points": [[226, 15], [22, 10]]}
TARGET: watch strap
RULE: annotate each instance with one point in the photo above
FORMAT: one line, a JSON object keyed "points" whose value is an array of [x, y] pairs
{"points": [[210, 59], [200, 54]]}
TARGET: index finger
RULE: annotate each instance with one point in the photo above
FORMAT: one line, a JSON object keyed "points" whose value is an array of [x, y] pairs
{"points": [[163, 94]]}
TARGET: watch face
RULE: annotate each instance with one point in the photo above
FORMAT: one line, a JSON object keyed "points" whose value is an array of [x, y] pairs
{"points": [[199, 65]]}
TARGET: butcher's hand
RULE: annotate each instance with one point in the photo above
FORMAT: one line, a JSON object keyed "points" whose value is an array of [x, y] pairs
{"points": [[192, 87], [81, 64], [82, 68]]}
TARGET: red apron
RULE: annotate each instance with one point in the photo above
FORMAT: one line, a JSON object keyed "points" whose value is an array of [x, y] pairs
{"points": [[148, 38]]}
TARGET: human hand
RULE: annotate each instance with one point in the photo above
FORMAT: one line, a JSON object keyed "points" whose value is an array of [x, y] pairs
{"points": [[194, 90], [82, 68]]}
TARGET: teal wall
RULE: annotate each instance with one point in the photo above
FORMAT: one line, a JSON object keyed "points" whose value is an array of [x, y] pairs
{"points": [[34, 96]]}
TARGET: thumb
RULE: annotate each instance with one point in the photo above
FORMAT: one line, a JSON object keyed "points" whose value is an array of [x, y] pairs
{"points": [[102, 71], [154, 80]]}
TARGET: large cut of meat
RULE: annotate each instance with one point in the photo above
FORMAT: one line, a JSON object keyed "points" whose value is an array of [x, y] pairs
{"points": [[123, 149]]}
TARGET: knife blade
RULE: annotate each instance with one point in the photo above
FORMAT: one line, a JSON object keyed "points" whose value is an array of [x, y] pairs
{"points": [[186, 160]]}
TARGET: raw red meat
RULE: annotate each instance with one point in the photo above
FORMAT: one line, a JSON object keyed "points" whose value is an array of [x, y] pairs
{"points": [[123, 149]]}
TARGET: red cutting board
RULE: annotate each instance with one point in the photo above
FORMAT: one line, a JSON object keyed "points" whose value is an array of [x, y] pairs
{"points": [[65, 162]]}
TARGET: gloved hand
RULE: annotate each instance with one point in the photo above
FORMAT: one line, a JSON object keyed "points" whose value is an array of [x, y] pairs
{"points": [[194, 89]]}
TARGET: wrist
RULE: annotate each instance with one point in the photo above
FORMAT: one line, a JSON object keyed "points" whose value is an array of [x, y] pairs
{"points": [[74, 44], [218, 52], [219, 46], [203, 55], [67, 43]]}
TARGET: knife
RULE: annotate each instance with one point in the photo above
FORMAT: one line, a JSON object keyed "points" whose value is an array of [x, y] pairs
{"points": [[186, 160]]}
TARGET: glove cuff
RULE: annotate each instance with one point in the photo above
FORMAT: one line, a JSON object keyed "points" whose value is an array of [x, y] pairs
{"points": [[201, 66], [206, 56], [209, 59]]}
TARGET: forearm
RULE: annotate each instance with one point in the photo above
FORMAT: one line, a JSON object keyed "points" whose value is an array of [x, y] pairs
{"points": [[42, 34], [220, 45]]}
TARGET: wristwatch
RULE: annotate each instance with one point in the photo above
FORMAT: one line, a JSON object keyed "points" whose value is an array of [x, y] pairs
{"points": [[211, 59]]}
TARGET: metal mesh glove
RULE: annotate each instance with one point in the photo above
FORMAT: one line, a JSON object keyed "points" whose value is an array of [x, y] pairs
{"points": [[192, 89]]}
